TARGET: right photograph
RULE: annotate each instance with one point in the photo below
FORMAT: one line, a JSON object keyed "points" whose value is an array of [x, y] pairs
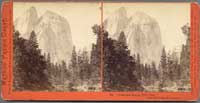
{"points": [[146, 47]]}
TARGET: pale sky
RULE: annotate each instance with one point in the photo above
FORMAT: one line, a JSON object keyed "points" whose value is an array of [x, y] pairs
{"points": [[170, 17], [82, 16]]}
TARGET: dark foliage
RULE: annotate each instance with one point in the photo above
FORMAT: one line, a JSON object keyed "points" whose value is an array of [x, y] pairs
{"points": [[174, 69], [119, 66], [121, 71], [29, 64]]}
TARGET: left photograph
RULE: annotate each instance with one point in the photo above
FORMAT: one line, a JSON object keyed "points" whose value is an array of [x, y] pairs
{"points": [[56, 47]]}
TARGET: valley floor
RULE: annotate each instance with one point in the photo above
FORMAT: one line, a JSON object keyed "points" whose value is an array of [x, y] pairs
{"points": [[173, 88]]}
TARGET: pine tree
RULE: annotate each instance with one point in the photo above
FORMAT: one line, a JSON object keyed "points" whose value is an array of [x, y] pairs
{"points": [[138, 67], [19, 73], [33, 39], [94, 55], [73, 66], [154, 74], [30, 65], [163, 59], [172, 66], [74, 58], [185, 56], [48, 58], [95, 58], [163, 65], [122, 39], [85, 67], [119, 66]]}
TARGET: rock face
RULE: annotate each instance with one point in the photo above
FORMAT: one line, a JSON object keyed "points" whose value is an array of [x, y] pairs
{"points": [[116, 23], [26, 22], [142, 33], [53, 33]]}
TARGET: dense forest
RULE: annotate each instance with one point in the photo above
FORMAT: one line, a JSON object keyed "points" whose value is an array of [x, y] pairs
{"points": [[34, 70], [125, 72], [29, 65]]}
